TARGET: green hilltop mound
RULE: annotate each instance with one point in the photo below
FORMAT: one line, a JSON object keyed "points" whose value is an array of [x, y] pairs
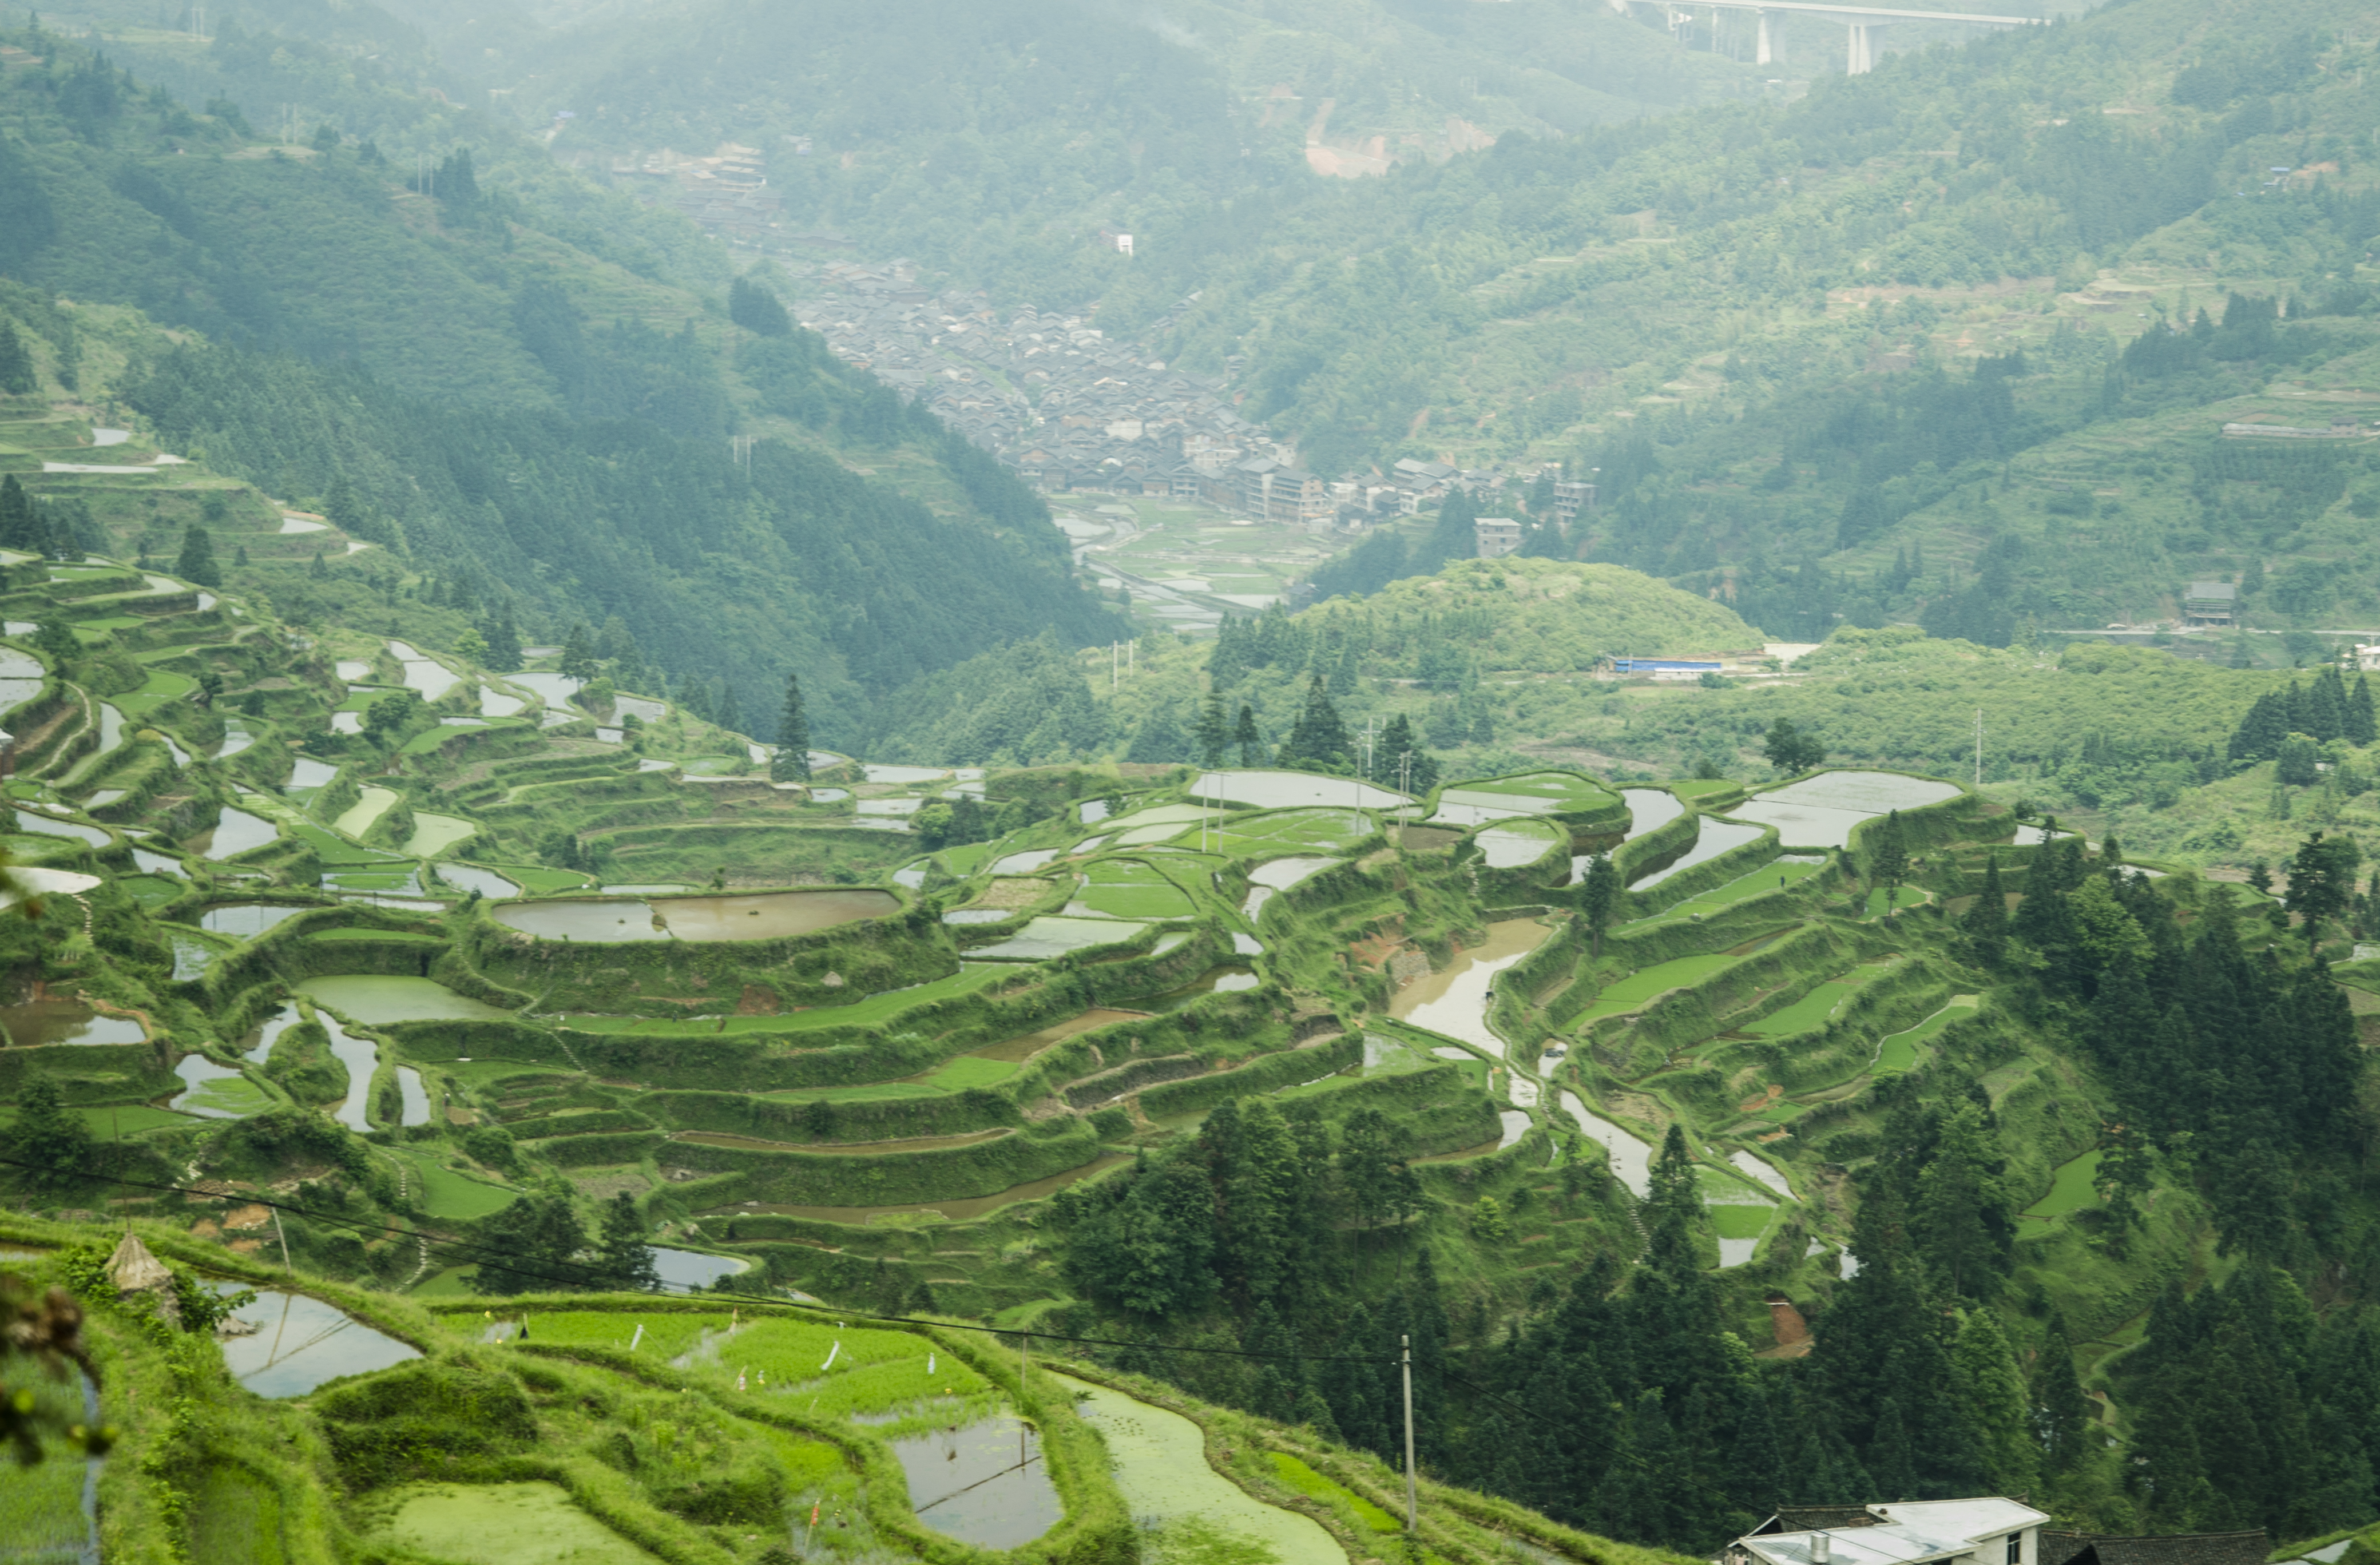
{"points": [[1546, 615]]}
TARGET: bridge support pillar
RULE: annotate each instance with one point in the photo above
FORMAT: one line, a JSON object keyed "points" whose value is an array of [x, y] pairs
{"points": [[1766, 53], [1863, 51]]}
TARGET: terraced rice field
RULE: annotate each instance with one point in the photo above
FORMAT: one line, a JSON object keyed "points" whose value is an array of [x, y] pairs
{"points": [[1637, 988]]}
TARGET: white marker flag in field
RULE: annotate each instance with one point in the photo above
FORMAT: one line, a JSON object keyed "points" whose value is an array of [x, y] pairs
{"points": [[929, 1364], [831, 1354]]}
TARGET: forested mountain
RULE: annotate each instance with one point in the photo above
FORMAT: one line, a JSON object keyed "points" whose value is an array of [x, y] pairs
{"points": [[495, 406], [1794, 334]]}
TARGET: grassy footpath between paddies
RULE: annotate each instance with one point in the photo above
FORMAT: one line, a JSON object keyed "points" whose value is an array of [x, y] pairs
{"points": [[1911, 896], [877, 1008], [538, 880], [1899, 1052]]}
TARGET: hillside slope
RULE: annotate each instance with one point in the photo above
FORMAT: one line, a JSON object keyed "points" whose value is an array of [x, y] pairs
{"points": [[488, 401]]}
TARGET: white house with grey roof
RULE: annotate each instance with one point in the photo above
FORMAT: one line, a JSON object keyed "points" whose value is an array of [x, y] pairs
{"points": [[1991, 1531]]}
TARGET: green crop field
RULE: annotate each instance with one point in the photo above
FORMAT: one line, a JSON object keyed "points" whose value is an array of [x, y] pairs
{"points": [[968, 1071], [1633, 990], [447, 1194], [1129, 889], [335, 850], [2071, 1190], [1775, 876], [162, 685], [1314, 1485], [1565, 791], [1242, 836], [1809, 1011], [151, 891]]}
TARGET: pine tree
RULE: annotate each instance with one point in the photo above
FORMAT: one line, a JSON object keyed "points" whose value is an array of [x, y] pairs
{"points": [[197, 563], [504, 642], [621, 1255], [1319, 738], [757, 309], [2060, 1410], [1210, 731], [578, 655], [2260, 732], [2327, 705], [1986, 921], [49, 1136], [730, 717], [1456, 536], [1990, 1396], [792, 761], [2360, 726], [16, 376], [1890, 1459], [58, 643], [19, 527], [1888, 857], [1599, 897], [1245, 734]]}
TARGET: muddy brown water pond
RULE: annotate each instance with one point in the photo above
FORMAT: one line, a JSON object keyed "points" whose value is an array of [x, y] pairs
{"points": [[1017, 1049], [766, 915], [985, 1485], [840, 1148], [963, 1210], [33, 1023]]}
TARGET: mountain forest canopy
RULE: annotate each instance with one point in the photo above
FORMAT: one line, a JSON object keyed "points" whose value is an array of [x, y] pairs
{"points": [[793, 783]]}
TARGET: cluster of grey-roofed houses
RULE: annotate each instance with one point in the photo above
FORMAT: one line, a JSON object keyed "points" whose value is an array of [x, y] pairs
{"points": [[1072, 409], [1989, 1530], [1053, 395]]}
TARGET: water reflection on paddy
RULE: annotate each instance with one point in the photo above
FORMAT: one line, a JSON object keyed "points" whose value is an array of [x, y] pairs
{"points": [[299, 1342], [764, 916], [247, 919], [1715, 838], [236, 831], [374, 998], [985, 1485]]}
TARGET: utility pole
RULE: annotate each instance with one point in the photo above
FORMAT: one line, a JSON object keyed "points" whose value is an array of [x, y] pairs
{"points": [[1404, 791], [1413, 1508]]}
